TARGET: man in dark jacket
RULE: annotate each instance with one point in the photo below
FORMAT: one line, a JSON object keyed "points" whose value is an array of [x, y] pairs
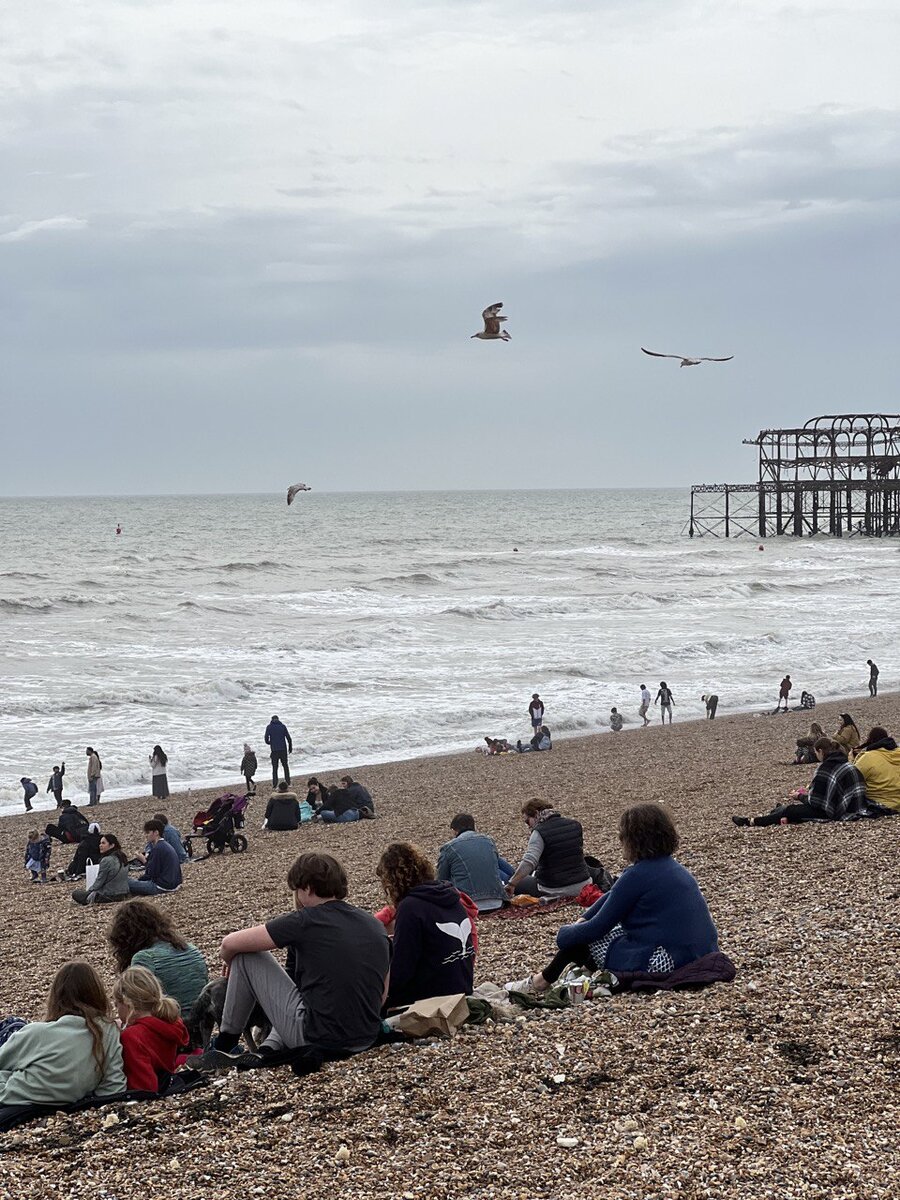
{"points": [[553, 863], [56, 783], [279, 742], [163, 870], [338, 807], [472, 864], [282, 810], [31, 790], [71, 824], [358, 796]]}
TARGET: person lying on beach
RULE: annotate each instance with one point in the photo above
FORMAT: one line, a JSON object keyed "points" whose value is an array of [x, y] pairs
{"points": [[142, 934], [472, 863], [152, 1031], [878, 761], [837, 790], [74, 1052], [329, 995], [846, 734], [553, 863], [111, 883], [71, 825], [653, 919], [498, 746], [433, 952]]}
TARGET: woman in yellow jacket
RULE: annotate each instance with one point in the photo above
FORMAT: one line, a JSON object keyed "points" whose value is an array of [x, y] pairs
{"points": [[878, 761], [847, 735]]}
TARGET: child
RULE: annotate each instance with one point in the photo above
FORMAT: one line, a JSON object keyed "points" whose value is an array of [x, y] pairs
{"points": [[152, 1029], [37, 856], [615, 720]]}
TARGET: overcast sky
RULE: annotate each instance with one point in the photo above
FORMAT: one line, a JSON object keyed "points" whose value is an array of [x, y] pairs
{"points": [[246, 243]]}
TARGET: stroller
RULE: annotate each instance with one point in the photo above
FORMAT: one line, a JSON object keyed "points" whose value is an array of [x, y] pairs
{"points": [[219, 825]]}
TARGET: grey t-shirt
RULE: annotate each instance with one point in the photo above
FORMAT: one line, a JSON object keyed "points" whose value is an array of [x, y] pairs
{"points": [[338, 956]]}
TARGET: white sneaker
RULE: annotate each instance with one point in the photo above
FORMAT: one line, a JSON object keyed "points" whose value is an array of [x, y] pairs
{"points": [[522, 985]]}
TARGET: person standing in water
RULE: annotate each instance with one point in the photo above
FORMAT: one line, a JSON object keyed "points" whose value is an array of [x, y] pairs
{"points": [[712, 703], [536, 712], [665, 700], [873, 677], [645, 704], [784, 693]]}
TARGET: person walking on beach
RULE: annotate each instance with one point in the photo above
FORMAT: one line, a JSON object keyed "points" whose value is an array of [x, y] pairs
{"points": [[94, 776], [712, 703], [665, 700], [158, 767], [279, 742], [56, 783], [784, 693], [536, 712], [873, 677], [249, 767], [645, 704], [30, 789]]}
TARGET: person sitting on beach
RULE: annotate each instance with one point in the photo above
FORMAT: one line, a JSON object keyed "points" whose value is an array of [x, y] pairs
{"points": [[331, 992], [349, 802], [152, 1030], [162, 872], [111, 883], [847, 735], [37, 856], [807, 701], [878, 761], [498, 746], [540, 741], [173, 837], [143, 935], [805, 754], [837, 790], [249, 767], [359, 795], [472, 863], [74, 1052], [282, 810], [88, 851], [71, 825], [553, 863], [616, 720], [654, 918], [434, 953], [316, 793], [666, 701]]}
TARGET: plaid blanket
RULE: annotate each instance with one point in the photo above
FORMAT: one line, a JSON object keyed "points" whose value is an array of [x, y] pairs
{"points": [[513, 913]]}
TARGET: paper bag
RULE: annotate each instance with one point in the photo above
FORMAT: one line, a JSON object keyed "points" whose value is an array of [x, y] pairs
{"points": [[91, 871], [437, 1014]]}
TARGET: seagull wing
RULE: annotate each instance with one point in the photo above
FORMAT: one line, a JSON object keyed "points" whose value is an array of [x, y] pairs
{"points": [[294, 489], [492, 318], [656, 354], [728, 359]]}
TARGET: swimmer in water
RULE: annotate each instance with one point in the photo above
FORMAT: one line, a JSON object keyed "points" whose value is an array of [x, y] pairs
{"points": [[118, 530]]}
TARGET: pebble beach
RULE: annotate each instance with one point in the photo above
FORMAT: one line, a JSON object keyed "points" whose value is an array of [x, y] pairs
{"points": [[783, 1084]]}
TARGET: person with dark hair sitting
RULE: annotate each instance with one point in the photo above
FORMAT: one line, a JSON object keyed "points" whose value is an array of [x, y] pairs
{"points": [[162, 872], [143, 935], [329, 995], [553, 863], [472, 863], [847, 735], [653, 919], [282, 810], [71, 824], [878, 761], [837, 790], [111, 884]]}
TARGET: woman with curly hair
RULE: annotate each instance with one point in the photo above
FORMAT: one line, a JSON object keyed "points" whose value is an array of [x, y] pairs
{"points": [[74, 1052], [654, 918], [142, 935], [434, 950]]}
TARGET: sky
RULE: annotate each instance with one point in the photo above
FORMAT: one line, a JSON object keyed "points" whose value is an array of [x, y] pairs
{"points": [[246, 244]]}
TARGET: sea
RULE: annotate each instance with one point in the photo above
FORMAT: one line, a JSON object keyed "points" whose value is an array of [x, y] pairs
{"points": [[383, 626]]}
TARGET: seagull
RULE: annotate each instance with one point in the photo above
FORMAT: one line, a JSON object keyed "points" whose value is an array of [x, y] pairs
{"points": [[687, 362], [492, 330], [295, 488]]}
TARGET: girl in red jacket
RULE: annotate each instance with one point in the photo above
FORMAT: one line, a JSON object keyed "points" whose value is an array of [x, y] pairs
{"points": [[152, 1029]]}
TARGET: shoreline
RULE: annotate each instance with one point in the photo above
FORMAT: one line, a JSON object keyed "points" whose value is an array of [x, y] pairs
{"points": [[199, 788]]}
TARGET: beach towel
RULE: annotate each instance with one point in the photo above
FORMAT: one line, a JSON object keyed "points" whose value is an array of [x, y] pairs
{"points": [[512, 912]]}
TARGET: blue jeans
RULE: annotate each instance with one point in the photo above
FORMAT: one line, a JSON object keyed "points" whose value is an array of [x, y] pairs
{"points": [[92, 793], [146, 887], [505, 870], [331, 818]]}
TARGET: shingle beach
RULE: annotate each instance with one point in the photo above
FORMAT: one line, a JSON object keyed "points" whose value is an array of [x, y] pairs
{"points": [[784, 1084]]}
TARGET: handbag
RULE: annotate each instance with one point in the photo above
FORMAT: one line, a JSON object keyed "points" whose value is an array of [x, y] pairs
{"points": [[438, 1014]]}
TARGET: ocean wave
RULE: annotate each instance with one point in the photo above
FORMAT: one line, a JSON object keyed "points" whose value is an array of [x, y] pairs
{"points": [[265, 564], [493, 610], [183, 695], [200, 606], [414, 577]]}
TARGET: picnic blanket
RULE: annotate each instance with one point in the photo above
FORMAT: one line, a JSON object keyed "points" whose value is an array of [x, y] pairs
{"points": [[514, 912], [711, 968]]}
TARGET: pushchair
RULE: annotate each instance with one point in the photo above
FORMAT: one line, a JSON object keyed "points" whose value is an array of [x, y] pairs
{"points": [[219, 825]]}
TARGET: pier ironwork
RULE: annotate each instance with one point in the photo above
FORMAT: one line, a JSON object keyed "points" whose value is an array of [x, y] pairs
{"points": [[836, 475]]}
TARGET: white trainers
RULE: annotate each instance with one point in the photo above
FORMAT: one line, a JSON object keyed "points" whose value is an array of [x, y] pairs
{"points": [[522, 985]]}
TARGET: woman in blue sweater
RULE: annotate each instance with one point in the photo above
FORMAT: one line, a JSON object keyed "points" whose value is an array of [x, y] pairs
{"points": [[653, 919]]}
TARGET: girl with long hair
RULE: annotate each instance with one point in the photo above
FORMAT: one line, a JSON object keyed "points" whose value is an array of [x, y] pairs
{"points": [[847, 735], [111, 883], [143, 935], [158, 769], [74, 1052], [152, 1029]]}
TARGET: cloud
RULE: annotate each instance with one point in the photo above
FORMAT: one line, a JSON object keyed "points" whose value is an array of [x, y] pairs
{"points": [[30, 229]]}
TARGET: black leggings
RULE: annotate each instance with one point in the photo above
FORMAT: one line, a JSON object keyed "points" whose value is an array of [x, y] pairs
{"points": [[793, 814], [580, 956]]}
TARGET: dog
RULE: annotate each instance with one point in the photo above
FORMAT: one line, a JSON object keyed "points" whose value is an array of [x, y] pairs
{"points": [[206, 1017]]}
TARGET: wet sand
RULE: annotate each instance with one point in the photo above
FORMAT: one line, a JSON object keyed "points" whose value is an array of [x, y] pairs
{"points": [[782, 1084]]}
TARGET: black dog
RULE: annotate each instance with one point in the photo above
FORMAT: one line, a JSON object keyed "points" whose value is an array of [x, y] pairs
{"points": [[206, 1017]]}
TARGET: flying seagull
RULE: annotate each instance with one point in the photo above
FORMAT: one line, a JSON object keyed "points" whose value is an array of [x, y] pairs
{"points": [[492, 330], [295, 488], [687, 362]]}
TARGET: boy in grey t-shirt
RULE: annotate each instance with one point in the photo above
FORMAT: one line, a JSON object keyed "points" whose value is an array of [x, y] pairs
{"points": [[331, 994]]}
